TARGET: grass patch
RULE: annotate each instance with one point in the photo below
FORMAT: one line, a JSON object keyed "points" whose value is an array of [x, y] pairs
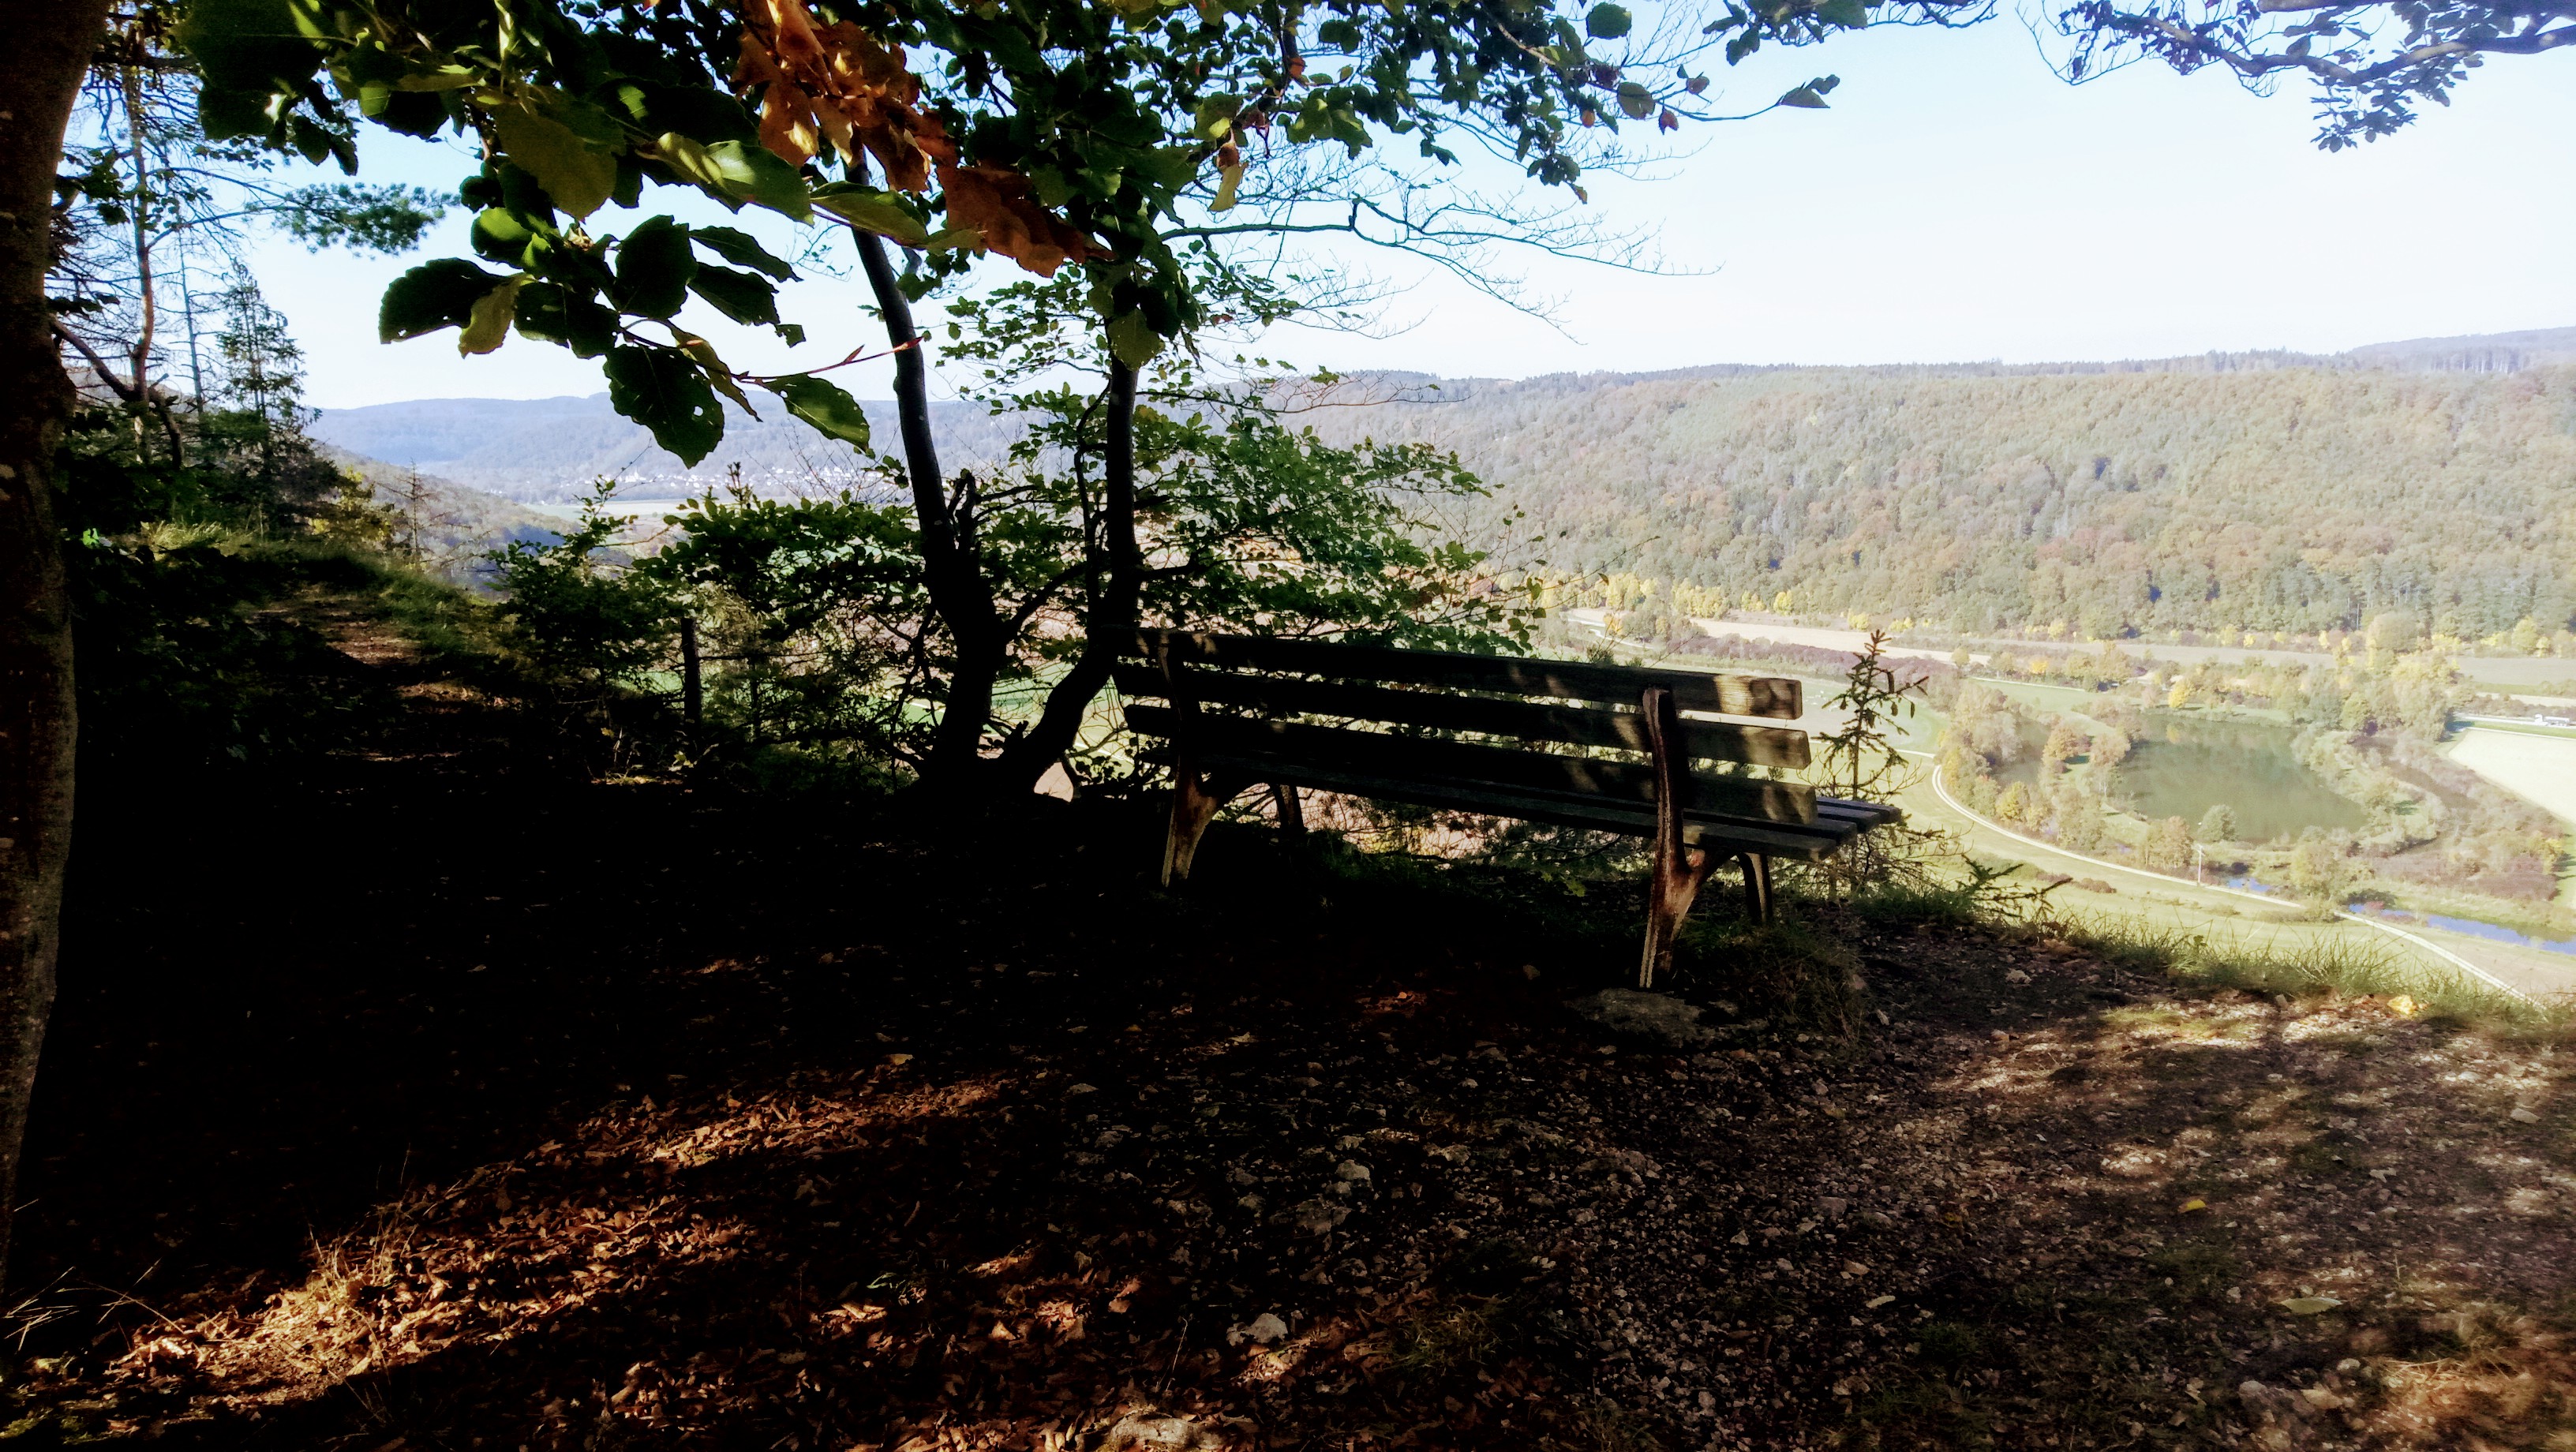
{"points": [[2201, 1270], [1905, 904], [2332, 962], [1782, 970], [1918, 1411]]}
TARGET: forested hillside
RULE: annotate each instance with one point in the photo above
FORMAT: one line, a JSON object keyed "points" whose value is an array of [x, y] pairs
{"points": [[2283, 498]]}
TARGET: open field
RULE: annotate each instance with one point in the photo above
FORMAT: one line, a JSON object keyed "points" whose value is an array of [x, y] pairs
{"points": [[2539, 767]]}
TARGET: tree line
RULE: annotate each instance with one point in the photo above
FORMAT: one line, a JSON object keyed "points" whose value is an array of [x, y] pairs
{"points": [[2293, 500]]}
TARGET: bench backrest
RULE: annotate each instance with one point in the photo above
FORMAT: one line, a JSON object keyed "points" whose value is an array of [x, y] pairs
{"points": [[1570, 703]]}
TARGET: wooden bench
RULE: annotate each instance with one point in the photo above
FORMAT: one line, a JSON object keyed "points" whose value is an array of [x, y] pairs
{"points": [[1241, 711]]}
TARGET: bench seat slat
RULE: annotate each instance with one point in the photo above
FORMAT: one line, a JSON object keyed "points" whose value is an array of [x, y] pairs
{"points": [[1774, 697], [1530, 721], [1591, 813], [1378, 754]]}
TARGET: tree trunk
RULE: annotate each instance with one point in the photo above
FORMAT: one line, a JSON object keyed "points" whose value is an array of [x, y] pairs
{"points": [[959, 593], [1113, 610], [50, 42]]}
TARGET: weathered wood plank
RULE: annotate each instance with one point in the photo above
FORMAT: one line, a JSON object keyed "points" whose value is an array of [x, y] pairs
{"points": [[1596, 813], [1777, 746], [1773, 697], [1380, 754]]}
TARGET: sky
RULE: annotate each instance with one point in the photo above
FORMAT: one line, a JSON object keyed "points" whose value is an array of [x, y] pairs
{"points": [[1956, 202]]}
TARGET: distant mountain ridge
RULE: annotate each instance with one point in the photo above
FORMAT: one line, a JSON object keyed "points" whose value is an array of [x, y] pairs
{"points": [[552, 449]]}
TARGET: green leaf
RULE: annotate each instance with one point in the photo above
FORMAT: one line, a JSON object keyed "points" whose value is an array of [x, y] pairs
{"points": [[1229, 178], [1849, 14], [247, 51], [870, 210], [738, 248], [740, 296], [822, 403], [665, 392], [653, 268], [502, 235], [487, 324], [1134, 340], [1214, 118], [1610, 22], [1637, 103], [553, 313], [577, 176], [738, 171], [434, 295]]}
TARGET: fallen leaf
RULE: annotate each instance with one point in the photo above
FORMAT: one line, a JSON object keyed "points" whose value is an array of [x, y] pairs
{"points": [[1877, 1301], [2402, 1006], [2190, 1205], [2309, 1305]]}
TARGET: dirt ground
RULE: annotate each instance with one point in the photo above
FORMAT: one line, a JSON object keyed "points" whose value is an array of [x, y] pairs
{"points": [[433, 1101]]}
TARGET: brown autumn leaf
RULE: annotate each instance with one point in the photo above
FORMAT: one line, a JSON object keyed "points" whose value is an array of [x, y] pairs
{"points": [[840, 86], [1001, 208]]}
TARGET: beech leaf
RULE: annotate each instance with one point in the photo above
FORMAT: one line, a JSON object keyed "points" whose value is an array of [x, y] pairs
{"points": [[487, 327], [577, 177], [825, 405], [871, 210]]}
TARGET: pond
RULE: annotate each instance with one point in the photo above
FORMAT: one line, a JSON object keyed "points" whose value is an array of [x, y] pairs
{"points": [[2181, 768]]}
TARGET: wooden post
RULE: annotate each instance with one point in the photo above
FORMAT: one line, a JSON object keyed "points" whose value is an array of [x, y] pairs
{"points": [[1679, 869], [1757, 886], [1192, 803], [1292, 809], [693, 699]]}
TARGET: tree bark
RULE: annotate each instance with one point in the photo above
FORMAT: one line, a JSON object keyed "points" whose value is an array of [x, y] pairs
{"points": [[50, 42], [959, 592], [1114, 609]]}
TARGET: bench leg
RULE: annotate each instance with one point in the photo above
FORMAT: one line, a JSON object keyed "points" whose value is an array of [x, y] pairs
{"points": [[1677, 880], [1292, 809], [1195, 799], [1757, 886], [1193, 807]]}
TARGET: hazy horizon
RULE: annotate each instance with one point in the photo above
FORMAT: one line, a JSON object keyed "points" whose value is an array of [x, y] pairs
{"points": [[1958, 202]]}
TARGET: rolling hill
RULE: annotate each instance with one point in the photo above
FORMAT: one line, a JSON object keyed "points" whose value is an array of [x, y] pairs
{"points": [[2267, 491]]}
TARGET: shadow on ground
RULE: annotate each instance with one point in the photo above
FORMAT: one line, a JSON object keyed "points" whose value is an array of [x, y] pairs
{"points": [[431, 1101]]}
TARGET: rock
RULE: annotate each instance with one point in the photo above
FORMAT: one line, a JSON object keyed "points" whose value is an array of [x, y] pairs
{"points": [[1157, 1432], [1351, 1171], [2523, 1115], [2279, 1416], [1316, 1217], [1261, 1330], [1833, 1206], [1646, 1015]]}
